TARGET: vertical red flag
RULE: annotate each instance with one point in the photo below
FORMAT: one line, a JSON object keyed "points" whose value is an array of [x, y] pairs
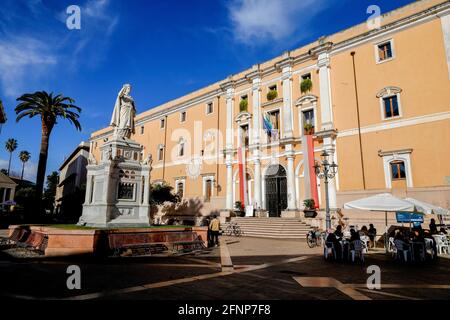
{"points": [[312, 175], [241, 176]]}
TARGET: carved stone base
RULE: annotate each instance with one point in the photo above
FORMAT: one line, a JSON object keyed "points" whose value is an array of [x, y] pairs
{"points": [[117, 191]]}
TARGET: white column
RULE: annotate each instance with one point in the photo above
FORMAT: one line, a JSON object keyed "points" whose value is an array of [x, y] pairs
{"points": [[325, 91], [88, 189], [229, 197], [256, 110], [257, 118], [445, 23], [257, 181], [146, 189], [292, 201], [287, 105], [230, 104]]}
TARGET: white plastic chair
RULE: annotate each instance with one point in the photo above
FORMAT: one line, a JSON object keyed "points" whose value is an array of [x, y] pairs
{"points": [[365, 243], [329, 249], [429, 247], [441, 244], [391, 246], [357, 250], [402, 252]]}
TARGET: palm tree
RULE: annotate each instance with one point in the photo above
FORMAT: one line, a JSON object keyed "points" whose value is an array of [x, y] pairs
{"points": [[24, 156], [11, 146], [49, 108]]}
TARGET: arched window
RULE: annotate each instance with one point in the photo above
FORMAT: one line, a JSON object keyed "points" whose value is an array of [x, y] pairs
{"points": [[181, 148]]}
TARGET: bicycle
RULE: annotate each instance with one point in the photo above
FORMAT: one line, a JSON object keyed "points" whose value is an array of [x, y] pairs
{"points": [[314, 239], [233, 229]]}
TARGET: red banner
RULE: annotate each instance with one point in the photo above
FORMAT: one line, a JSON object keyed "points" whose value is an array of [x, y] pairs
{"points": [[312, 175], [241, 177]]}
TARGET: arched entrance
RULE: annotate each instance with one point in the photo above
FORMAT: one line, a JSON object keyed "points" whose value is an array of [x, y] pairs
{"points": [[276, 190]]}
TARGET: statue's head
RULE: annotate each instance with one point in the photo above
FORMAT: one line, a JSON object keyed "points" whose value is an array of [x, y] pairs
{"points": [[126, 88]]}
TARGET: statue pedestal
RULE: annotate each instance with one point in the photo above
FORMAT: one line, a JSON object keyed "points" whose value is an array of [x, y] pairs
{"points": [[117, 188]]}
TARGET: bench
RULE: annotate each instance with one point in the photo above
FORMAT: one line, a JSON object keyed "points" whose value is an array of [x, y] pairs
{"points": [[195, 243], [138, 244]]}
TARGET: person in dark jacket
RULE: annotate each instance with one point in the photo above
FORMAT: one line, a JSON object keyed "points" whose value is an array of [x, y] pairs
{"points": [[433, 227], [372, 233]]}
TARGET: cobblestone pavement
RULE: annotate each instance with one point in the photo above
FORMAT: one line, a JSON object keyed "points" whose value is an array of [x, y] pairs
{"points": [[262, 269]]}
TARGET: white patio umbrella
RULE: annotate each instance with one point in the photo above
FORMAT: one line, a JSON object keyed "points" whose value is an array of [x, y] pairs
{"points": [[382, 202], [428, 208]]}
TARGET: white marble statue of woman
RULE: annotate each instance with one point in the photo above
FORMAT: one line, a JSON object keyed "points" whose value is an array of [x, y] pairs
{"points": [[124, 112]]}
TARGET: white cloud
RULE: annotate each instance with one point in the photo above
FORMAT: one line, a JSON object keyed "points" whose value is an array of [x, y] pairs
{"points": [[256, 21], [22, 58]]}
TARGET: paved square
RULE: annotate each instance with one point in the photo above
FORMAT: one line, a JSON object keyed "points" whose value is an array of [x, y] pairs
{"points": [[261, 269]]}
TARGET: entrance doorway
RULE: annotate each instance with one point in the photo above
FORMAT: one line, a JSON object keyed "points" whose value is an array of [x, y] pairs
{"points": [[276, 190]]}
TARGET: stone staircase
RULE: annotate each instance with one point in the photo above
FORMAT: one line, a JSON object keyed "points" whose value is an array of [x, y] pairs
{"points": [[277, 228]]}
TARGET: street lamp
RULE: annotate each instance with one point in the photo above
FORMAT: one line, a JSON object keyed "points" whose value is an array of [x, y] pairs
{"points": [[326, 171]]}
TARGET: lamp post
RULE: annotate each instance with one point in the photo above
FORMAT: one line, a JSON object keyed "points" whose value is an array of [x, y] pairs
{"points": [[326, 171]]}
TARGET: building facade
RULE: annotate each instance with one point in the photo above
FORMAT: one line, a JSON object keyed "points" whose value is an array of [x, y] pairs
{"points": [[377, 100], [72, 179]]}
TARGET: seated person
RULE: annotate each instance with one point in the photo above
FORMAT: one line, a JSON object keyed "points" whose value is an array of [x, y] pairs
{"points": [[442, 231], [338, 232], [354, 235], [337, 245], [433, 227], [363, 231]]}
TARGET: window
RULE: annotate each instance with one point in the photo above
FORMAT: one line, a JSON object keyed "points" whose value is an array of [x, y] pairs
{"points": [[180, 189], [245, 138], [273, 88], [181, 148], [160, 153], [384, 51], [142, 129], [183, 116], [391, 107], [162, 123], [208, 190], [308, 121], [272, 125], [306, 76], [209, 108], [398, 171]]}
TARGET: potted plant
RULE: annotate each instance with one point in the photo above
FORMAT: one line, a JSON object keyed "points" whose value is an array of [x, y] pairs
{"points": [[239, 209], [243, 105], [310, 208], [272, 94], [309, 129], [306, 85]]}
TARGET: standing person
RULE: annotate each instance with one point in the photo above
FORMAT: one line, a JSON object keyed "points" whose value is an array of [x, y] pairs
{"points": [[372, 233], [208, 234], [214, 226], [433, 227]]}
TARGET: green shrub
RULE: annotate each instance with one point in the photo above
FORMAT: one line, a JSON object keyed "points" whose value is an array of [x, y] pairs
{"points": [[243, 105], [272, 94], [309, 128], [306, 85], [309, 204]]}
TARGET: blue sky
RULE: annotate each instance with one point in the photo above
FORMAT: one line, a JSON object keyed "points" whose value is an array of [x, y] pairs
{"points": [[163, 48]]}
